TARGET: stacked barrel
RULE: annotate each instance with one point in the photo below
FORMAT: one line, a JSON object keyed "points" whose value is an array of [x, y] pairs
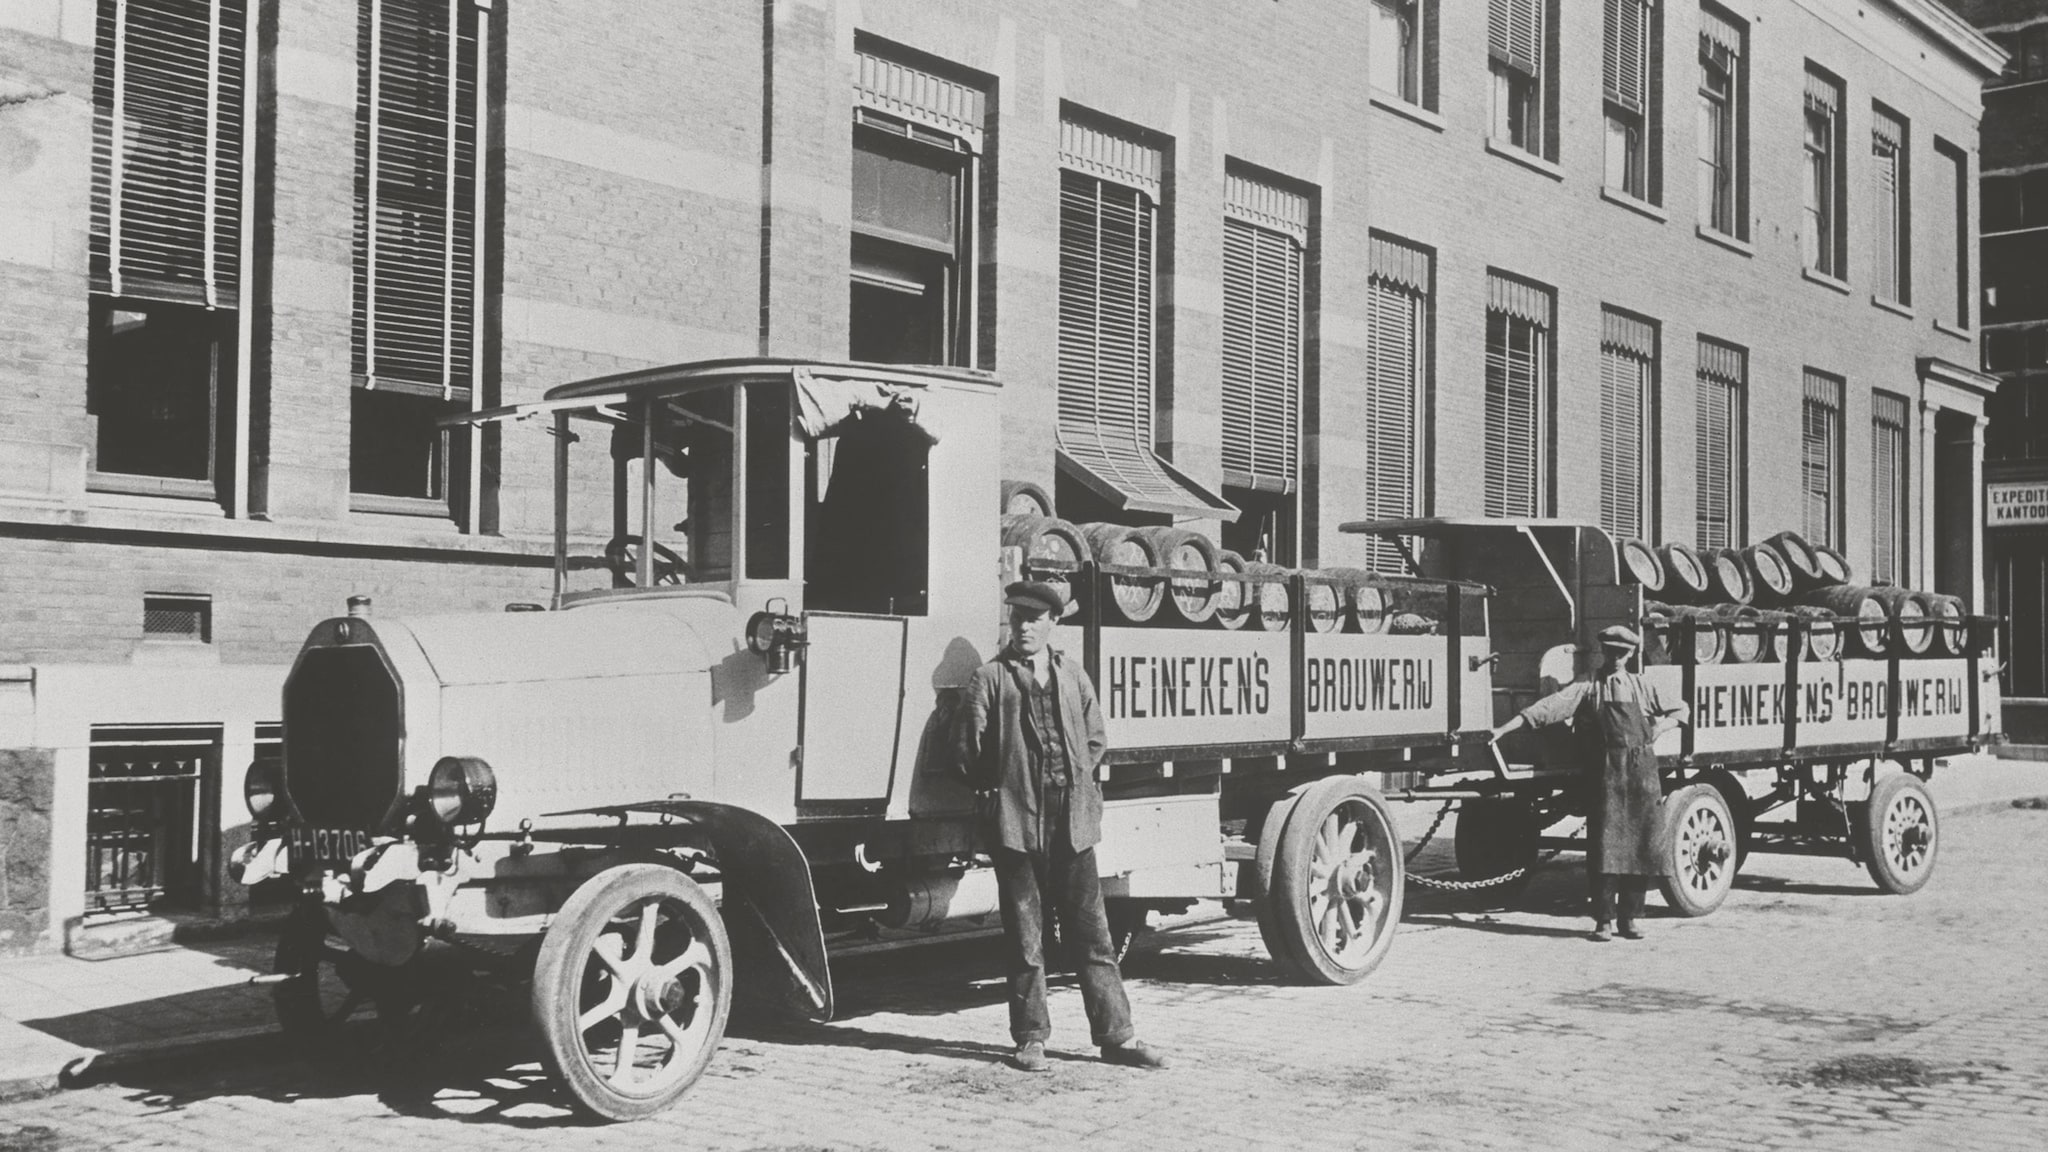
{"points": [[1190, 582], [1742, 604]]}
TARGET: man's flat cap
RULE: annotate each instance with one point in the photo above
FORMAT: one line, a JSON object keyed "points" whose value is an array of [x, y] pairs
{"points": [[1036, 594], [1620, 636]]}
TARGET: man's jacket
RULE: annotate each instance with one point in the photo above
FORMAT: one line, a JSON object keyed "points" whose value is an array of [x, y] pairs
{"points": [[994, 755]]}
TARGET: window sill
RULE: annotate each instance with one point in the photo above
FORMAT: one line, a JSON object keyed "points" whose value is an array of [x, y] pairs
{"points": [[1959, 333], [398, 506], [165, 486], [1892, 306], [1407, 111], [1639, 207], [1825, 280], [1527, 160], [1716, 236]]}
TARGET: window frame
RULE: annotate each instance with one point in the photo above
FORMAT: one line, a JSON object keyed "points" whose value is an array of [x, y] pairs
{"points": [[1537, 348], [1824, 215], [1401, 287], [1615, 360], [957, 296], [1964, 235], [1636, 129], [1826, 411], [1522, 111], [1407, 15], [1894, 530], [1732, 113], [1892, 248], [1733, 482]]}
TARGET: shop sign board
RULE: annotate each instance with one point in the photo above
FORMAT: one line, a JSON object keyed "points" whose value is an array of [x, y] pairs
{"points": [[2012, 505]]}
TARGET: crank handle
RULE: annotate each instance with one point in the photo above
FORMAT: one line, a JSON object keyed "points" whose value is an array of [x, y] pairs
{"points": [[1475, 663]]}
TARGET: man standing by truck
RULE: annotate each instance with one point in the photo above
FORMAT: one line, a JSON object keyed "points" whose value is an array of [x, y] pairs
{"points": [[1617, 716], [1030, 740]]}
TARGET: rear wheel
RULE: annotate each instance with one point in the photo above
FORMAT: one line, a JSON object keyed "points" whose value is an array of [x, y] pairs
{"points": [[1700, 844], [1337, 883], [632, 990], [1899, 834]]}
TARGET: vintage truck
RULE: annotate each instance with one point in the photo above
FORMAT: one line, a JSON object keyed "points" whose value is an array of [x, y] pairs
{"points": [[720, 752]]}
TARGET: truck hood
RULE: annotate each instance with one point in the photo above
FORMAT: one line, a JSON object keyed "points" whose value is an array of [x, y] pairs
{"points": [[633, 636]]}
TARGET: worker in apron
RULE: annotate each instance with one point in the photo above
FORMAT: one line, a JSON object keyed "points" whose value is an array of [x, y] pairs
{"points": [[1616, 718]]}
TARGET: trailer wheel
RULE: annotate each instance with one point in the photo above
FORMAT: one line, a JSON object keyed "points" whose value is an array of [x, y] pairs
{"points": [[632, 989], [1337, 883], [1700, 845], [1738, 807], [1899, 834], [1493, 838]]}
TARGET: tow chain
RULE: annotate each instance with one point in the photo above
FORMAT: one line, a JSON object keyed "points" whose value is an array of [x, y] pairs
{"points": [[1470, 885]]}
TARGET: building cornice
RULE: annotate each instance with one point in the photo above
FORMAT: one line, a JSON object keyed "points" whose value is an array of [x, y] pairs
{"points": [[1942, 23], [1955, 375]]}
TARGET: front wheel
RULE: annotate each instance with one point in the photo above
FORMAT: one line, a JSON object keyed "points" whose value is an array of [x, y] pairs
{"points": [[632, 990], [1337, 883], [1700, 850], [1899, 834]]}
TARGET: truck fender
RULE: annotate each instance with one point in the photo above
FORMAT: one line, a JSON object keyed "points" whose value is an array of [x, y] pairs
{"points": [[770, 907]]}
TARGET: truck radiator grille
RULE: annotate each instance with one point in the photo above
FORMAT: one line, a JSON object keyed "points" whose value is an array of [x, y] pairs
{"points": [[342, 736]]}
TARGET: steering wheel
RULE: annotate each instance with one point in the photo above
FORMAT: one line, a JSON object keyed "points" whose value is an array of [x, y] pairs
{"points": [[622, 556]]}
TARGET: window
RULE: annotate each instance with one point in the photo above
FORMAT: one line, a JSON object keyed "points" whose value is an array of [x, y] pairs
{"points": [[1820, 460], [1723, 124], [1823, 226], [1888, 502], [166, 241], [2015, 248], [1397, 388], [917, 138], [1628, 367], [2027, 52], [1630, 50], [1518, 41], [420, 195], [1265, 244], [1110, 184], [1402, 43], [1952, 238], [1890, 226], [1720, 417], [1518, 319]]}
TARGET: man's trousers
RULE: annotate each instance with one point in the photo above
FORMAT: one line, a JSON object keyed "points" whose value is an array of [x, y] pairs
{"points": [[1066, 880]]}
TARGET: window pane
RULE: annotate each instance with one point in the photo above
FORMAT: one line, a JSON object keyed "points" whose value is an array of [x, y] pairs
{"points": [[153, 372], [394, 447], [904, 187]]}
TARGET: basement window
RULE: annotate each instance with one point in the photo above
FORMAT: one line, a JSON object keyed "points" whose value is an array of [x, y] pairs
{"points": [[177, 618]]}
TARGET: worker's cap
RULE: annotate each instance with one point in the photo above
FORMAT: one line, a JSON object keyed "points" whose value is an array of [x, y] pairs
{"points": [[1620, 638], [1038, 596]]}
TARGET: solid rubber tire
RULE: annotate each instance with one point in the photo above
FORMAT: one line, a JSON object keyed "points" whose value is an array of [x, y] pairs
{"points": [[1290, 896], [1678, 807], [1883, 795]]}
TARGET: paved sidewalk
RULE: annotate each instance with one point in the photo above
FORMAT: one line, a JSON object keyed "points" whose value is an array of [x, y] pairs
{"points": [[61, 1012]]}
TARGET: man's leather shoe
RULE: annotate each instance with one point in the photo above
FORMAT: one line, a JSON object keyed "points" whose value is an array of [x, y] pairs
{"points": [[1133, 1054], [1598, 935], [1629, 932], [1030, 1057]]}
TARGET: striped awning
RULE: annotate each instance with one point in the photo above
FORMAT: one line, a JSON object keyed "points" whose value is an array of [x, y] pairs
{"points": [[1399, 263], [1110, 462], [1822, 94], [1518, 298], [913, 94], [1719, 32], [1725, 362], [1627, 333], [1887, 129]]}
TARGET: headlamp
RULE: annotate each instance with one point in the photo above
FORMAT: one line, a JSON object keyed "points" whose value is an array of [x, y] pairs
{"points": [[462, 790], [777, 635], [263, 789]]}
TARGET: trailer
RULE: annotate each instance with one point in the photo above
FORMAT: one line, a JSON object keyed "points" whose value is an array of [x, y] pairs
{"points": [[720, 754]]}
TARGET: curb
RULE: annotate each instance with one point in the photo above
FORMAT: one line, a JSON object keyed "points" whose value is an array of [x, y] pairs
{"points": [[82, 1071], [1980, 807]]}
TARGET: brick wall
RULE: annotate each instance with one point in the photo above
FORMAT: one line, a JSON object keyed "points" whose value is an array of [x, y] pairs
{"points": [[27, 776]]}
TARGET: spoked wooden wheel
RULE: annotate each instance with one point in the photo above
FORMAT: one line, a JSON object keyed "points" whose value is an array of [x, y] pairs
{"points": [[1900, 834], [1337, 883], [1700, 854], [632, 989]]}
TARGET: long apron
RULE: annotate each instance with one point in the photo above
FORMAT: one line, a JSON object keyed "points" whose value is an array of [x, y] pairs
{"points": [[1629, 809]]}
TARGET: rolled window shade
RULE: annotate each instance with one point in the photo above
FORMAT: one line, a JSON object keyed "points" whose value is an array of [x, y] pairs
{"points": [[1262, 310], [1396, 371], [1624, 385], [1108, 155], [168, 149], [1514, 32], [1516, 386], [1518, 298], [922, 97], [1717, 501], [1621, 331], [1719, 34], [1625, 58]]}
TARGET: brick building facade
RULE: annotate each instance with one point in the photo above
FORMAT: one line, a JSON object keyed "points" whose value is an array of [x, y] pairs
{"points": [[1262, 271]]}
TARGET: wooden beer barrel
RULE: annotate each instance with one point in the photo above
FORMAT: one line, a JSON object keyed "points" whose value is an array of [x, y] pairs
{"points": [[1777, 640], [1685, 574], [1770, 582], [1708, 642], [1192, 600], [1800, 559], [1952, 625], [1323, 603], [1823, 631], [1045, 538], [1639, 562], [1023, 498], [1728, 577], [1834, 567], [1233, 597], [1911, 611], [1133, 599], [1364, 599], [1272, 604], [1869, 619], [1742, 626]]}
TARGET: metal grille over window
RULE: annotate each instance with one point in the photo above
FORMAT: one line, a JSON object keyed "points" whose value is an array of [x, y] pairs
{"points": [[1888, 204], [1396, 379], [1887, 487], [1514, 34], [1820, 456], [178, 618], [146, 795], [419, 199], [1625, 58], [1108, 208], [1628, 354], [1517, 395], [1719, 417], [168, 141], [1265, 235]]}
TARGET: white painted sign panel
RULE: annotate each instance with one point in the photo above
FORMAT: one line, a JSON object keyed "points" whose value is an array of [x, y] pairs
{"points": [[2011, 505], [1162, 687], [1356, 685], [1742, 707]]}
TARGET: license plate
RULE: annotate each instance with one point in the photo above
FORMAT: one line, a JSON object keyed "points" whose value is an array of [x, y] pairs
{"points": [[327, 845]]}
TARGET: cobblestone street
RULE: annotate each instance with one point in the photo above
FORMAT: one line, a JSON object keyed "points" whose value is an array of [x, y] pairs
{"points": [[1809, 1012]]}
